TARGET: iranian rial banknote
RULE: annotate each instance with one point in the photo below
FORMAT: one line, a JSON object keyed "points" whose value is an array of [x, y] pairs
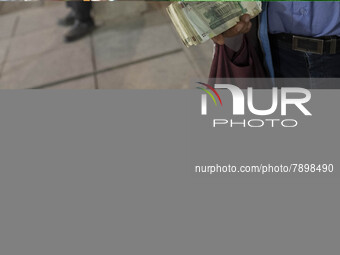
{"points": [[197, 22]]}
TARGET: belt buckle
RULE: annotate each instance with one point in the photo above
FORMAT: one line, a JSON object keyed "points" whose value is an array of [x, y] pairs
{"points": [[333, 47], [318, 49]]}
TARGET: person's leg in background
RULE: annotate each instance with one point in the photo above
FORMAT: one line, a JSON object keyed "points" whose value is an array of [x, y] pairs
{"points": [[80, 17], [69, 19]]}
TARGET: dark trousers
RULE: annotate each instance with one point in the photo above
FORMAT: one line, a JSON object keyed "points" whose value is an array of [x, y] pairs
{"points": [[289, 63], [82, 10]]}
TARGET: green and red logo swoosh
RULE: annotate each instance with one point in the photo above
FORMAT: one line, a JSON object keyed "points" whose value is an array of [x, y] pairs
{"points": [[209, 93]]}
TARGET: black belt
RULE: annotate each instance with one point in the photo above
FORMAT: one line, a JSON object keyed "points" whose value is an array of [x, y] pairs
{"points": [[317, 45]]}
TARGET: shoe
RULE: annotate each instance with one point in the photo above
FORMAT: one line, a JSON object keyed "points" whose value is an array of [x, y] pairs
{"points": [[68, 20], [79, 30]]}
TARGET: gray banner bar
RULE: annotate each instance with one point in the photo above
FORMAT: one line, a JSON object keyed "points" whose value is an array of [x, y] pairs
{"points": [[112, 172]]}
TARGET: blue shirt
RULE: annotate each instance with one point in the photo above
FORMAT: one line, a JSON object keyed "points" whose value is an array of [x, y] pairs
{"points": [[304, 18]]}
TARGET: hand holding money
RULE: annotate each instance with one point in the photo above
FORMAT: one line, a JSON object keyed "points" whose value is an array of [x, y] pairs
{"points": [[197, 22], [241, 27]]}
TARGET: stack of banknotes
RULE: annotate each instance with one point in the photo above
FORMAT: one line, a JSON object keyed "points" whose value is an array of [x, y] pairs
{"points": [[197, 22]]}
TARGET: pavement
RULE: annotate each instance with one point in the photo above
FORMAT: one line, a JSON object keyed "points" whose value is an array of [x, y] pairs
{"points": [[134, 47]]}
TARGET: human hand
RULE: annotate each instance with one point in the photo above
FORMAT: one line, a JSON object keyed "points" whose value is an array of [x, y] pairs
{"points": [[242, 27]]}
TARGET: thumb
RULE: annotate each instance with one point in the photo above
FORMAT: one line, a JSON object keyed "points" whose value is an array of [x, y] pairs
{"points": [[219, 39]]}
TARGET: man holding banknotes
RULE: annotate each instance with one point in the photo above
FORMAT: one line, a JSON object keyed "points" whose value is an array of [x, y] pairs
{"points": [[298, 39], [198, 22]]}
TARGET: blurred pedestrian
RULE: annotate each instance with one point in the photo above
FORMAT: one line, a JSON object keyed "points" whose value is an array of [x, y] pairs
{"points": [[79, 18]]}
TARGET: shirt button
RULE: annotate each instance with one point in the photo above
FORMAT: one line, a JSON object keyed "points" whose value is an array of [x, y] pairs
{"points": [[303, 11]]}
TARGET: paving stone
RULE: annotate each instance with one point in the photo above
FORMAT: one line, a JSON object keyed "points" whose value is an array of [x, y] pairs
{"points": [[14, 6], [2, 84], [200, 57], [133, 40], [4, 43], [107, 11], [38, 56], [84, 83], [7, 23], [169, 72], [36, 19], [38, 42], [50, 67]]}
